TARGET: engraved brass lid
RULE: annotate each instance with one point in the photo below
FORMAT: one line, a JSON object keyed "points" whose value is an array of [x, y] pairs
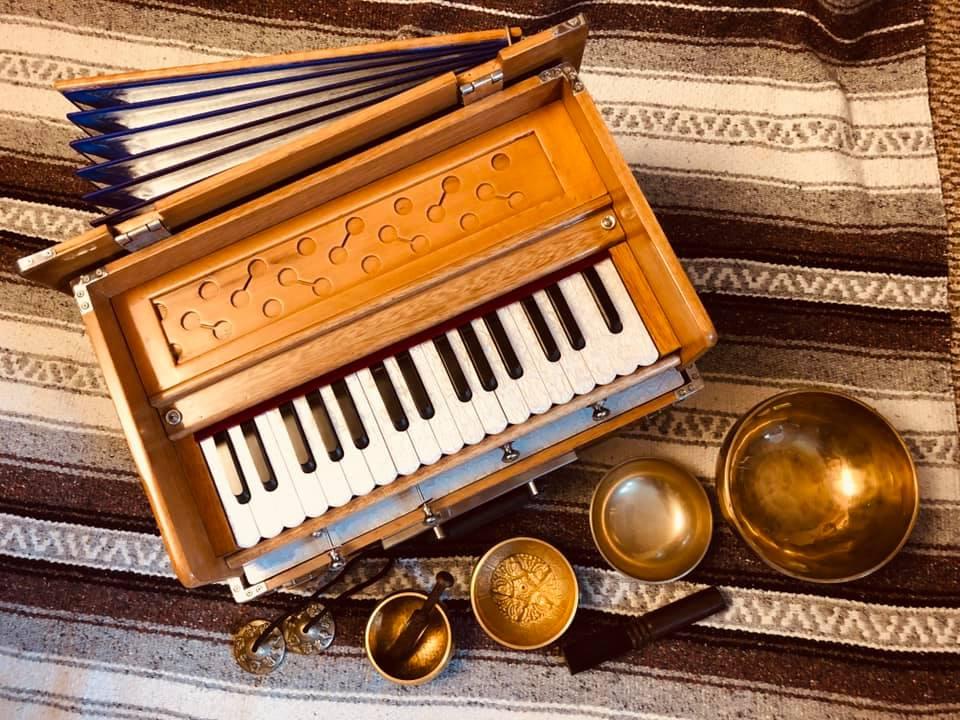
{"points": [[819, 485], [651, 520], [433, 650], [524, 593]]}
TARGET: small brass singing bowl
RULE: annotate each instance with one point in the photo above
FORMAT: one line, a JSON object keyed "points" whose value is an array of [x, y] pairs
{"points": [[524, 593], [651, 520], [433, 651], [819, 485]]}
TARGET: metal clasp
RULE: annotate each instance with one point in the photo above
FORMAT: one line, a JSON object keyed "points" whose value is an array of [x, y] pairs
{"points": [[509, 453]]}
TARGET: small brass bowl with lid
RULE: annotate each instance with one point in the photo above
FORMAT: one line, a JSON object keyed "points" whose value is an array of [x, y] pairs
{"points": [[433, 650], [651, 520], [819, 485]]}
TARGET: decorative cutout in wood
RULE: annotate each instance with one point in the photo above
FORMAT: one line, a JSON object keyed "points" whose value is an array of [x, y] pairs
{"points": [[373, 239]]}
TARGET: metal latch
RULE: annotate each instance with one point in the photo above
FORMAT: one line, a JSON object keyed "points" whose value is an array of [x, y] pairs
{"points": [[481, 87], [142, 236]]}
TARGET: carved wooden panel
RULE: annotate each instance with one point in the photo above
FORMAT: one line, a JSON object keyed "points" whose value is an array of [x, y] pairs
{"points": [[373, 239]]}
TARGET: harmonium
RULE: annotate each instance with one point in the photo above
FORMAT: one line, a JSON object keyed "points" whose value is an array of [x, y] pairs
{"points": [[347, 296]]}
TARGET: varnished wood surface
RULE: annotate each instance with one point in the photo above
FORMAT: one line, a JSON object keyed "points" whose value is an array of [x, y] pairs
{"points": [[188, 541], [490, 276], [360, 252], [658, 263]]}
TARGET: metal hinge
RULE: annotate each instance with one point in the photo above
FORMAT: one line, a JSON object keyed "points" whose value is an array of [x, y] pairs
{"points": [[142, 236], [694, 383], [481, 87], [28, 263], [80, 292], [563, 70]]}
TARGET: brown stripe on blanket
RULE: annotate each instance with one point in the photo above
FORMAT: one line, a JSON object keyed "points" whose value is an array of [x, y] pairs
{"points": [[833, 208], [826, 323], [678, 19], [37, 181]]}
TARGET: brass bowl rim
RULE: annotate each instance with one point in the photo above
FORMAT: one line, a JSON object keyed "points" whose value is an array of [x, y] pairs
{"points": [[722, 481], [447, 654], [473, 593], [702, 494]]}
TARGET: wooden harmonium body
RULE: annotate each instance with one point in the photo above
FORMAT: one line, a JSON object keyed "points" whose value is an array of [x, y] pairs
{"points": [[404, 314]]}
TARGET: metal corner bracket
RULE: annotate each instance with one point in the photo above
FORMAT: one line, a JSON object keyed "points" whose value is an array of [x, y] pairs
{"points": [[28, 263], [80, 292], [245, 593], [694, 382]]}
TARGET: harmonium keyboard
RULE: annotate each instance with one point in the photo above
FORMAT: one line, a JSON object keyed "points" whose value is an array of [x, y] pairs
{"points": [[343, 297]]}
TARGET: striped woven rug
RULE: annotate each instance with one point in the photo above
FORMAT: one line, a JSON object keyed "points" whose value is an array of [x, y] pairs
{"points": [[787, 148]]}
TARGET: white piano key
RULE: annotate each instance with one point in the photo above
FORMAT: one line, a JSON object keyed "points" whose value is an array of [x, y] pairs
{"points": [[599, 351], [306, 484], [634, 338], [484, 402], [424, 441], [531, 384], [398, 443], [573, 364], [355, 468], [330, 473], [239, 516], [284, 494], [442, 423], [551, 373], [376, 453], [464, 414], [266, 512], [507, 392]]}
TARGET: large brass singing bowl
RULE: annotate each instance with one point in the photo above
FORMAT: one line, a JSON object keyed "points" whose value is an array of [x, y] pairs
{"points": [[433, 651], [524, 593], [651, 520], [819, 485]]}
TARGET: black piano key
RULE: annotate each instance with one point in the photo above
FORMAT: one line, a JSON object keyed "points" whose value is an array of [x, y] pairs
{"points": [[500, 339], [567, 321], [354, 424], [540, 329], [609, 311], [320, 416], [291, 423], [259, 455], [488, 380], [231, 465], [449, 359], [415, 384], [389, 395]]}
